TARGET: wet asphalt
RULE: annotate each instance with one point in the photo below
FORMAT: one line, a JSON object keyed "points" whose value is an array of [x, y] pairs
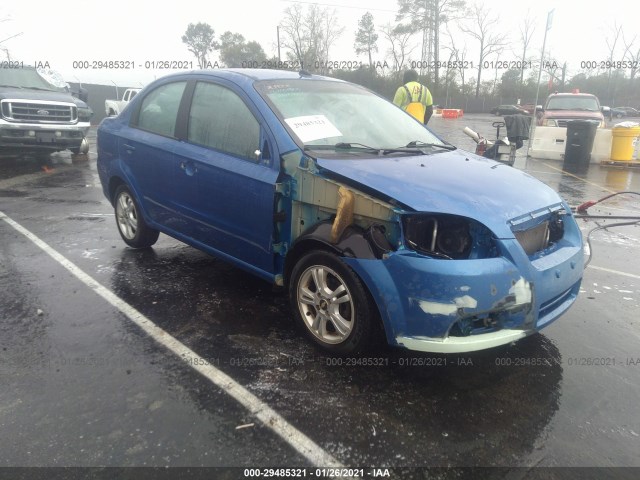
{"points": [[81, 385]]}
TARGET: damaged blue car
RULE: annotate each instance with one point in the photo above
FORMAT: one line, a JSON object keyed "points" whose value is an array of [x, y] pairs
{"points": [[371, 221]]}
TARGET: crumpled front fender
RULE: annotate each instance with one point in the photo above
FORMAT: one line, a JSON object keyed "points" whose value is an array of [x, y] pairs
{"points": [[419, 296]]}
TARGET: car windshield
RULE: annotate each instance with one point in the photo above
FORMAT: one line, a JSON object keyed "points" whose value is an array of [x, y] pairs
{"points": [[320, 112], [25, 78], [573, 103]]}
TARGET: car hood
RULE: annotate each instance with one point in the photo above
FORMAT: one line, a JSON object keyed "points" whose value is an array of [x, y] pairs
{"points": [[79, 103], [455, 182], [37, 95]]}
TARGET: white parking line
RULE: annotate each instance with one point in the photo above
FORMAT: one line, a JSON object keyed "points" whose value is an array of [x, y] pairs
{"points": [[617, 272], [271, 419]]}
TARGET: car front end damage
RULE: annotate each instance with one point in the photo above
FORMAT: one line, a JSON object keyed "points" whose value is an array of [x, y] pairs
{"points": [[462, 276], [496, 291]]}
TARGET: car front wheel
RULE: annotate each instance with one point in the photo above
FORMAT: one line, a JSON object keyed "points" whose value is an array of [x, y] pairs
{"points": [[132, 227], [331, 304]]}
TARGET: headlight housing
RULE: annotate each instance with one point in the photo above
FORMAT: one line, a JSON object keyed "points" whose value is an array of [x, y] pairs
{"points": [[84, 114], [450, 237]]}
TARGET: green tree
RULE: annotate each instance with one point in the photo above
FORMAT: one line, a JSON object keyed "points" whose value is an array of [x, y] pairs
{"points": [[200, 40], [510, 86], [366, 37], [236, 52]]}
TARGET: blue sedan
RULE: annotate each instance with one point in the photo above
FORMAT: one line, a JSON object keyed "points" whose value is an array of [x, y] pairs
{"points": [[372, 222]]}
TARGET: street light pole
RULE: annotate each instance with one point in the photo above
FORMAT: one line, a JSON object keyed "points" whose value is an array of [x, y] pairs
{"points": [[535, 105], [278, 33], [117, 94]]}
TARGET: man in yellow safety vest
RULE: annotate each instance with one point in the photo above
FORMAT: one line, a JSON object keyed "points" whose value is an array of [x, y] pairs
{"points": [[414, 98]]}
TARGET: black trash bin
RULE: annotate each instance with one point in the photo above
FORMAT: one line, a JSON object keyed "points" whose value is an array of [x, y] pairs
{"points": [[580, 137]]}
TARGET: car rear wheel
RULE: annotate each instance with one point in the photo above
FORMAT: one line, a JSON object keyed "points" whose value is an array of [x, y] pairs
{"points": [[331, 304], [132, 227]]}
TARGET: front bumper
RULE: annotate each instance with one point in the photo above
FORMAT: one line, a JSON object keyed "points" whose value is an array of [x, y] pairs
{"points": [[563, 121], [25, 137], [452, 306], [462, 344]]}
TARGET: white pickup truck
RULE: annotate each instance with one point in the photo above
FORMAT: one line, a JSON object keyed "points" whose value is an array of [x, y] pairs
{"points": [[114, 107]]}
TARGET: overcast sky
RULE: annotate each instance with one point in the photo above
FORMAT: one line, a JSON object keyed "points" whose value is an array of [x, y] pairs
{"points": [[63, 32]]}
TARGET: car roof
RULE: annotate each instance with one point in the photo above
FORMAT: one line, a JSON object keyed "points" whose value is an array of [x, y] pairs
{"points": [[256, 74], [569, 94], [245, 77]]}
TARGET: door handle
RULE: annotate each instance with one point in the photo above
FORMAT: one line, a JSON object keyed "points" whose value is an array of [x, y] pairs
{"points": [[188, 167], [129, 148]]}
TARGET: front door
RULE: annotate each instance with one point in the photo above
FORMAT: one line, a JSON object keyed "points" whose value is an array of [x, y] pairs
{"points": [[227, 157]]}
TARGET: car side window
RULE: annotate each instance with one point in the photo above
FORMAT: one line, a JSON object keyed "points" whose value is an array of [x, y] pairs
{"points": [[220, 119], [159, 109]]}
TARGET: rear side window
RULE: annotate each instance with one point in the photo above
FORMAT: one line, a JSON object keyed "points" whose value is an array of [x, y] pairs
{"points": [[220, 119], [159, 109]]}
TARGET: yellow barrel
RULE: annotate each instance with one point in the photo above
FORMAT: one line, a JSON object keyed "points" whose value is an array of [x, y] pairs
{"points": [[623, 143]]}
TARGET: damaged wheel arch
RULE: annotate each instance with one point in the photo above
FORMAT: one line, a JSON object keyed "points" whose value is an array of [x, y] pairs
{"points": [[354, 242]]}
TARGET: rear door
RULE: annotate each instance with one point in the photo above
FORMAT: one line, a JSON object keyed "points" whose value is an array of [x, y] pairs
{"points": [[147, 149], [227, 155]]}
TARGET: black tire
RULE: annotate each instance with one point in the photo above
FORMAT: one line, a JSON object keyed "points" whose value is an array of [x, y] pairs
{"points": [[344, 323], [82, 148], [131, 225]]}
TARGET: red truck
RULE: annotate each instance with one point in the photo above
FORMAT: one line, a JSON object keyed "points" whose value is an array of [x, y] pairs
{"points": [[563, 107]]}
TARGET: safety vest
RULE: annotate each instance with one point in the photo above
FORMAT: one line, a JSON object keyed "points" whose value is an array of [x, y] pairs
{"points": [[415, 108]]}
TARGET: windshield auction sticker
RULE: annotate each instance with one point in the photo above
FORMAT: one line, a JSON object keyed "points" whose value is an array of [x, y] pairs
{"points": [[312, 127]]}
